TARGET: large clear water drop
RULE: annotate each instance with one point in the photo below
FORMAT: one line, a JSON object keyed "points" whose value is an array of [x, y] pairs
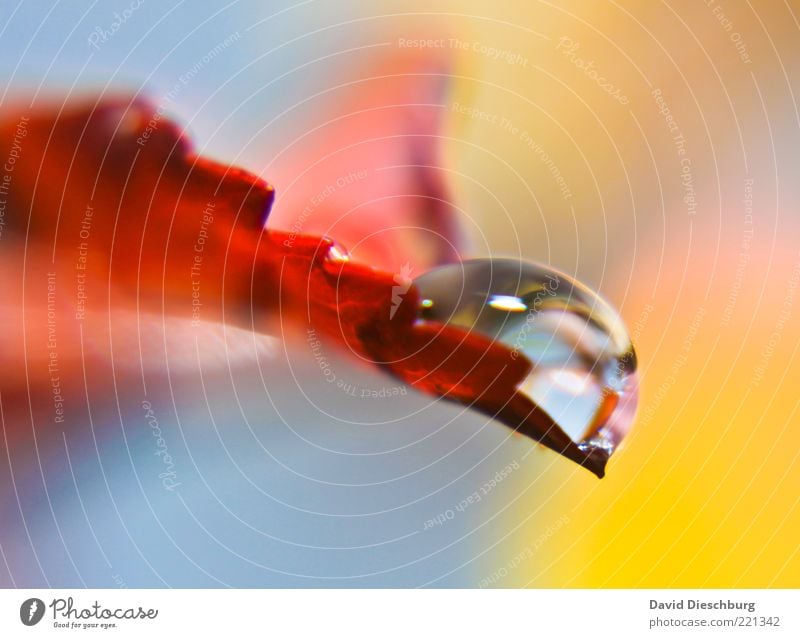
{"points": [[584, 365]]}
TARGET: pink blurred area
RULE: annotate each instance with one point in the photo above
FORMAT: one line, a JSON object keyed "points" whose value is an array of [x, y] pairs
{"points": [[370, 171]]}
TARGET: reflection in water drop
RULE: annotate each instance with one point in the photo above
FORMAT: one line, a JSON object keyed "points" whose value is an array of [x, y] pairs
{"points": [[337, 254], [584, 365]]}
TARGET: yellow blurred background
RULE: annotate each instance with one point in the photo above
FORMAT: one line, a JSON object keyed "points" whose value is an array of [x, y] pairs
{"points": [[651, 149]]}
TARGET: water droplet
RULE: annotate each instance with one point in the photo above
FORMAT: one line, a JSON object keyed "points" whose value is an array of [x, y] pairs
{"points": [[584, 365], [337, 254], [334, 258]]}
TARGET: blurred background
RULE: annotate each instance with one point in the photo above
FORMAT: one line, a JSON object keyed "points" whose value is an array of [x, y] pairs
{"points": [[648, 149]]}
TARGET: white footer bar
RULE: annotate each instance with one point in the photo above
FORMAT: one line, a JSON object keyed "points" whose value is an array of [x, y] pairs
{"points": [[401, 613]]}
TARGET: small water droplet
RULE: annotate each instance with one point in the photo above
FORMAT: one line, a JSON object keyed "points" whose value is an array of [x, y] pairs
{"points": [[334, 258], [336, 254], [584, 365]]}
